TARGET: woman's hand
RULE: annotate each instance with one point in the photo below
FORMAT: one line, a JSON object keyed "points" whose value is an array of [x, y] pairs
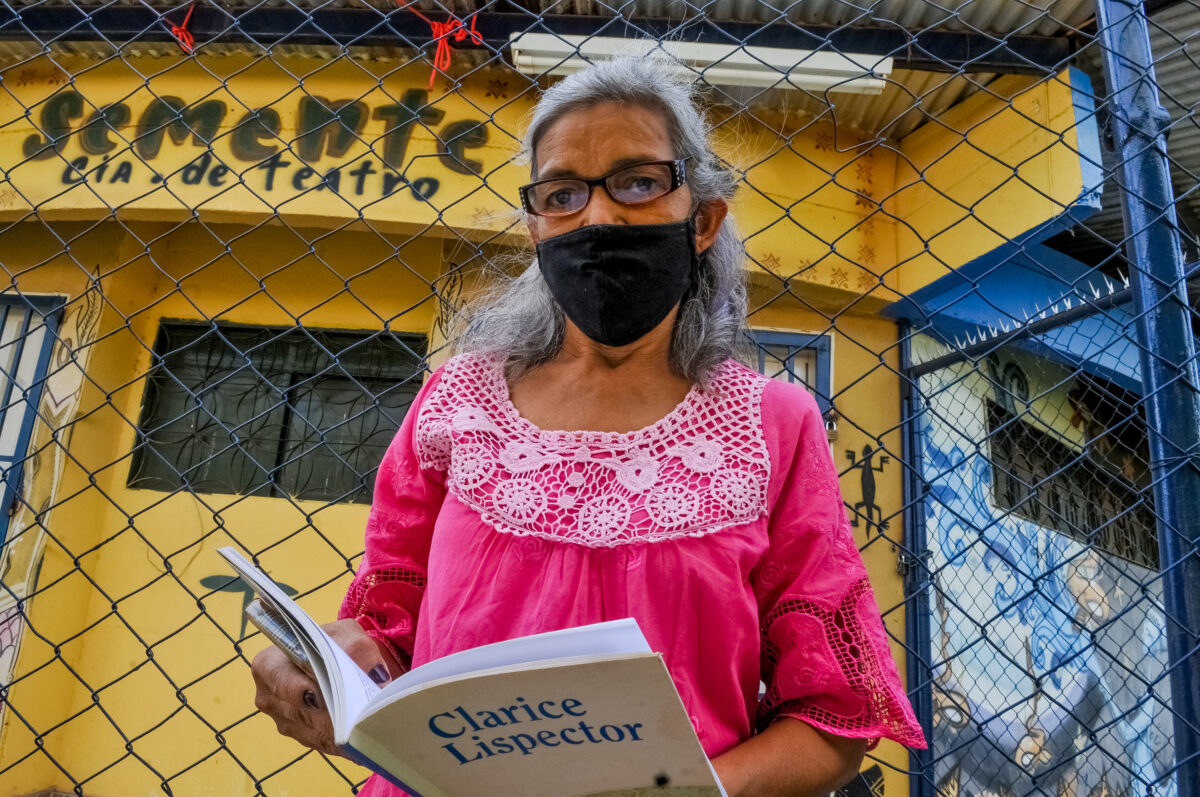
{"points": [[293, 700]]}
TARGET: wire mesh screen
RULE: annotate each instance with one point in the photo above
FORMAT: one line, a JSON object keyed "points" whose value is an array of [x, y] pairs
{"points": [[238, 236], [1048, 627]]}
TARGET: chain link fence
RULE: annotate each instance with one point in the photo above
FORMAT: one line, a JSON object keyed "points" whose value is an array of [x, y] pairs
{"points": [[237, 236]]}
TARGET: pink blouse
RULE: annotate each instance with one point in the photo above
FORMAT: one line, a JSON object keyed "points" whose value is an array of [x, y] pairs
{"points": [[720, 528]]}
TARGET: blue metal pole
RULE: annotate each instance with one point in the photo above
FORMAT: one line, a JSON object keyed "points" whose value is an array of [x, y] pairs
{"points": [[1168, 357]]}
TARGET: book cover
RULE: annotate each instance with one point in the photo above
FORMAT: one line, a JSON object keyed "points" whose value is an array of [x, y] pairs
{"points": [[580, 712]]}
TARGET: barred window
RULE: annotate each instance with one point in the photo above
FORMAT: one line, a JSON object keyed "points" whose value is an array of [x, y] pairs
{"points": [[1057, 487], [796, 358], [273, 411]]}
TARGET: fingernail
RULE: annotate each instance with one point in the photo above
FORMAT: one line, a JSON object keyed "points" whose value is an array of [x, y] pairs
{"points": [[379, 674], [310, 698]]}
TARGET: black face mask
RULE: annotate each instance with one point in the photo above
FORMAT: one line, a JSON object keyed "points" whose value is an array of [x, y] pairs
{"points": [[616, 282]]}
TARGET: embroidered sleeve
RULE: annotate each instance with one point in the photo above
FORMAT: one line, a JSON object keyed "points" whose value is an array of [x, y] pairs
{"points": [[825, 653], [386, 591]]}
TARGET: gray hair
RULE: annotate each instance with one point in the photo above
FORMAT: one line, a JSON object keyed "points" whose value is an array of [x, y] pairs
{"points": [[519, 319]]}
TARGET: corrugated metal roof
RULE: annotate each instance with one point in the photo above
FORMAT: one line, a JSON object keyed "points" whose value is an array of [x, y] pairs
{"points": [[1175, 39], [1039, 17], [1027, 17]]}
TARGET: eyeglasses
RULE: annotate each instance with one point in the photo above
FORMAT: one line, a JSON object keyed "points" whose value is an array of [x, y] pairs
{"points": [[629, 185]]}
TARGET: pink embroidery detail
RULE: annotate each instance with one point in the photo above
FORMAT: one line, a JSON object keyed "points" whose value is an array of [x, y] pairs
{"points": [[380, 603], [638, 474], [817, 474], [604, 517], [702, 456], [471, 467], [702, 468], [519, 499], [845, 550], [829, 665], [434, 442], [522, 457], [470, 419], [671, 505], [738, 490], [773, 574], [531, 548]]}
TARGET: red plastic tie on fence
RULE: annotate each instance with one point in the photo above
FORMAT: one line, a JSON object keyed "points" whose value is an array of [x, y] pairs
{"points": [[185, 38], [443, 32]]}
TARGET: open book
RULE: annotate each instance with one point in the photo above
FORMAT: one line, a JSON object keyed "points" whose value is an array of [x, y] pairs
{"points": [[582, 712]]}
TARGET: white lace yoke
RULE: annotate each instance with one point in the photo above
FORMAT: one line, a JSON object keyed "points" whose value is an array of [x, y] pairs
{"points": [[702, 468]]}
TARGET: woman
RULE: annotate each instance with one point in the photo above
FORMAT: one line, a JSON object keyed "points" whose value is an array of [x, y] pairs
{"points": [[692, 494]]}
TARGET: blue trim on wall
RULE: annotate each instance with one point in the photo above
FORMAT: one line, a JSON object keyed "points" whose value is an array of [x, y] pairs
{"points": [[1087, 133], [918, 582]]}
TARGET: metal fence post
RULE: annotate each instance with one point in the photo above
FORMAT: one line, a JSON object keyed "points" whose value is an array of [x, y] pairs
{"points": [[1169, 375]]}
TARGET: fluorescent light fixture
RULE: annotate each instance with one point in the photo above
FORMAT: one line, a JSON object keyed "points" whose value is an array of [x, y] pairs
{"points": [[722, 64]]}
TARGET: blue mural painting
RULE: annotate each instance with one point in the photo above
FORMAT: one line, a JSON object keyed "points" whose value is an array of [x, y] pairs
{"points": [[1050, 652]]}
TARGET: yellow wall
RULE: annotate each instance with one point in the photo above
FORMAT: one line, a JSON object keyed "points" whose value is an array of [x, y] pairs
{"points": [[851, 221], [820, 214], [102, 539], [992, 168], [809, 210]]}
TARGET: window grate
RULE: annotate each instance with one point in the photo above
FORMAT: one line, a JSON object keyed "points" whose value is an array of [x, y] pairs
{"points": [[1057, 487], [271, 412]]}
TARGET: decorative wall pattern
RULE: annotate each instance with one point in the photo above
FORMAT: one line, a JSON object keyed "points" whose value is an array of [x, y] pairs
{"points": [[1050, 660]]}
